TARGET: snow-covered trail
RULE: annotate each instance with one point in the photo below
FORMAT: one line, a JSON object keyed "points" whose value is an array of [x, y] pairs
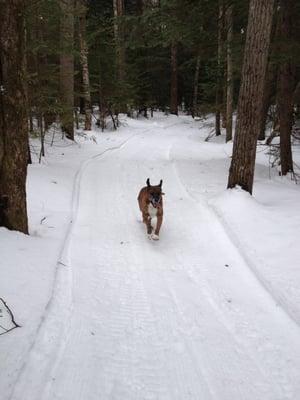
{"points": [[182, 318]]}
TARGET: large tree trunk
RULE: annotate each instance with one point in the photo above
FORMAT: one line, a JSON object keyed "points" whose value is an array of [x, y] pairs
{"points": [[174, 80], [85, 66], [219, 96], [285, 89], [251, 94], [67, 66], [13, 117], [229, 80]]}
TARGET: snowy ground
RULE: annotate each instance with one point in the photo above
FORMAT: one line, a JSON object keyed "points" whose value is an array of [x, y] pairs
{"points": [[211, 311]]}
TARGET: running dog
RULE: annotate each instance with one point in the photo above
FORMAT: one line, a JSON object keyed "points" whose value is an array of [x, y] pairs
{"points": [[151, 205]]}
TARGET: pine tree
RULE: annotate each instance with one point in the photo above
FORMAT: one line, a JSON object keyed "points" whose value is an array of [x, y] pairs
{"points": [[85, 65], [220, 51], [67, 66], [229, 72], [174, 80], [285, 88]]}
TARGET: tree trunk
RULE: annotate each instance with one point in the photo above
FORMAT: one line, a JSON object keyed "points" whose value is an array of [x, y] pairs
{"points": [[42, 137], [118, 6], [285, 89], [196, 85], [13, 117], [29, 159], [139, 7], [67, 66], [296, 100], [223, 105], [174, 80], [251, 94], [103, 107], [85, 67], [229, 80], [219, 69], [268, 89]]}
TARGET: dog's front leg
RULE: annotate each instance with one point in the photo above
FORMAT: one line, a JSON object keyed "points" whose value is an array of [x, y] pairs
{"points": [[147, 221], [158, 225]]}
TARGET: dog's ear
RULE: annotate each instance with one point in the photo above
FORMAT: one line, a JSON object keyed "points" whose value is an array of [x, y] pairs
{"points": [[148, 182], [160, 183]]}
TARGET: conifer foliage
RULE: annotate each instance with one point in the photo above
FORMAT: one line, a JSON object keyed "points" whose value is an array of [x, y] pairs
{"points": [[75, 62]]}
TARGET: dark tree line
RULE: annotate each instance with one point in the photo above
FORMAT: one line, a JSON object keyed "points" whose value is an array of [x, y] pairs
{"points": [[64, 58]]}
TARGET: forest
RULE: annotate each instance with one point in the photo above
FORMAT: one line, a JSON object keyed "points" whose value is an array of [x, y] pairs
{"points": [[75, 61], [193, 108]]}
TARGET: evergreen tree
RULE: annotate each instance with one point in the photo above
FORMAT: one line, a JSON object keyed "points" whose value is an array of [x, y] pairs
{"points": [[67, 66], [84, 64], [13, 117], [285, 90]]}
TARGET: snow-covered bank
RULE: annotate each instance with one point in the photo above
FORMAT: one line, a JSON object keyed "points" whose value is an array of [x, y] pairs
{"points": [[263, 226], [193, 316]]}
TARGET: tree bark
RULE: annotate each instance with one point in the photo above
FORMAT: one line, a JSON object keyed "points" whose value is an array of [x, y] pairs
{"points": [[85, 66], [174, 80], [229, 80], [196, 85], [251, 94], [296, 100], [268, 89], [285, 89], [67, 66], [139, 7], [13, 117], [118, 6], [219, 69]]}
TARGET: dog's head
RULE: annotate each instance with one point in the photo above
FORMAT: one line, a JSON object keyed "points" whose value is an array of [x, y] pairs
{"points": [[154, 193]]}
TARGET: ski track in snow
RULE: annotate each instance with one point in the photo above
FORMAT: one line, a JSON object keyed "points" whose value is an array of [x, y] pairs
{"points": [[131, 319], [54, 323], [236, 243]]}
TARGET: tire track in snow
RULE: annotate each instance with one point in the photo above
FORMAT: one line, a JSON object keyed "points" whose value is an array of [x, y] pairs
{"points": [[251, 338], [127, 367], [188, 369], [235, 345], [44, 352], [132, 354]]}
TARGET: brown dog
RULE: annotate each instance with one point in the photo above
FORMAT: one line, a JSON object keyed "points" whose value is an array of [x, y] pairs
{"points": [[151, 205]]}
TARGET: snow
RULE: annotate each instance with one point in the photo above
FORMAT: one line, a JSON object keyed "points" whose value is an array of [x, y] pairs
{"points": [[210, 311]]}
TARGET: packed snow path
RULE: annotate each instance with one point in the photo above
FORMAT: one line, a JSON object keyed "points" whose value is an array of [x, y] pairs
{"points": [[132, 319]]}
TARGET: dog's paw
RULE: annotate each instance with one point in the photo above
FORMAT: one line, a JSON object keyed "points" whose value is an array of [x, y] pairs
{"points": [[149, 236], [154, 236]]}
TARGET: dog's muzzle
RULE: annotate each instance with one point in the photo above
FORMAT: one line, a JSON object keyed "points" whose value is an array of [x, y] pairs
{"points": [[155, 201]]}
